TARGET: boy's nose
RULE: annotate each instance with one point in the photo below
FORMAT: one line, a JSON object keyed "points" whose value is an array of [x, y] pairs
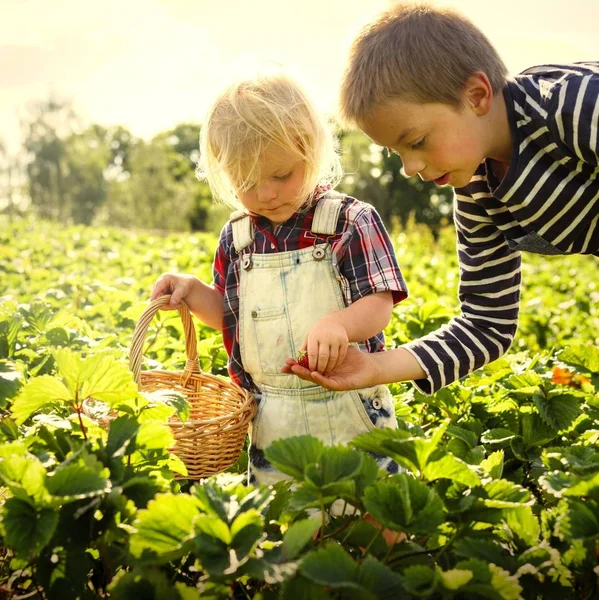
{"points": [[412, 167]]}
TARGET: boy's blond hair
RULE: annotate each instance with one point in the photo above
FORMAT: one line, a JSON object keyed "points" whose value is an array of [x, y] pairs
{"points": [[417, 52], [250, 116]]}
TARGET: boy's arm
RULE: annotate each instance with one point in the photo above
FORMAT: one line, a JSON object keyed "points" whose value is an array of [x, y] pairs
{"points": [[489, 294]]}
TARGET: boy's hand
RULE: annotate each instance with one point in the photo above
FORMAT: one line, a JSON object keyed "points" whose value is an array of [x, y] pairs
{"points": [[326, 345], [178, 286], [358, 370]]}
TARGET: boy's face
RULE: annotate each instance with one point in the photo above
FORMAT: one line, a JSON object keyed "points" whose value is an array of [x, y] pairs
{"points": [[277, 195], [438, 142]]}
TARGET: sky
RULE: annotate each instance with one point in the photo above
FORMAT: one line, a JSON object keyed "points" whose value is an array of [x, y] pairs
{"points": [[150, 64]]}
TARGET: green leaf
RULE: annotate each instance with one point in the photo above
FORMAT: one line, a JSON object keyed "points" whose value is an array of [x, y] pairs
{"points": [[420, 580], [454, 579], [489, 550], [535, 431], [77, 481], [497, 437], [557, 410], [524, 381], [100, 377], [451, 467], [379, 579], [28, 531], [144, 584], [165, 526], [410, 452], [583, 355], [246, 530], [493, 464], [330, 565], [505, 494], [505, 584], [402, 503], [300, 588], [121, 436], [171, 399], [580, 521], [292, 455], [154, 435], [365, 534], [463, 434], [298, 535], [23, 473], [489, 581], [39, 392], [10, 381], [214, 528], [336, 463], [524, 524]]}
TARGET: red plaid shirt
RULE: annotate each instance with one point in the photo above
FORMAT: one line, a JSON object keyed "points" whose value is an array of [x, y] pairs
{"points": [[363, 251]]}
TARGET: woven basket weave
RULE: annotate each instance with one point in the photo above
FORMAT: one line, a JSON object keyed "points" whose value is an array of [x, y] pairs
{"points": [[212, 439]]}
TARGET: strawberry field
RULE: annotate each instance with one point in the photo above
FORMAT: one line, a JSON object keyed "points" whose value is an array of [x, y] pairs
{"points": [[500, 499]]}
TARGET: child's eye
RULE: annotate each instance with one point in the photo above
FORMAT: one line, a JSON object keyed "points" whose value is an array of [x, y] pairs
{"points": [[283, 177], [418, 144]]}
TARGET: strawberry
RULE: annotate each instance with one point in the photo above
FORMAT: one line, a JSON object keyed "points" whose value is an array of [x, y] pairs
{"points": [[302, 359]]}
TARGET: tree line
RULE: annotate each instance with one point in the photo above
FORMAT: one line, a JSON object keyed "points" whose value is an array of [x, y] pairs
{"points": [[98, 175]]}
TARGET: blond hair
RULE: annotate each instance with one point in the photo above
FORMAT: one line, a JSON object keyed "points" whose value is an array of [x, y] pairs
{"points": [[253, 114], [417, 52]]}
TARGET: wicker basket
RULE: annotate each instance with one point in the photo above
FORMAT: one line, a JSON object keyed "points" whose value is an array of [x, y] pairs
{"points": [[212, 439]]}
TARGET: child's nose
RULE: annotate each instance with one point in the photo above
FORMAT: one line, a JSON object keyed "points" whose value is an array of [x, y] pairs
{"points": [[266, 192], [412, 166]]}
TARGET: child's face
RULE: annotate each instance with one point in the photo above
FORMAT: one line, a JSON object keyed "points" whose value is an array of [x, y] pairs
{"points": [[436, 141], [277, 195]]}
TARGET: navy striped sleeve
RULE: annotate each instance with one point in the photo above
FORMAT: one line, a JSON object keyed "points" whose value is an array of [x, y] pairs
{"points": [[489, 293], [573, 115]]}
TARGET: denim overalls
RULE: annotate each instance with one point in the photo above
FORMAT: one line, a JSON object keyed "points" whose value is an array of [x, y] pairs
{"points": [[282, 295]]}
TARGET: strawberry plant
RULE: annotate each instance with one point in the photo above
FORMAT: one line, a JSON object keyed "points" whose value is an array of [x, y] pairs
{"points": [[498, 498]]}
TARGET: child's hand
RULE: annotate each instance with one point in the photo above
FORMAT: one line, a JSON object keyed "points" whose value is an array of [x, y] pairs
{"points": [[178, 286], [326, 344]]}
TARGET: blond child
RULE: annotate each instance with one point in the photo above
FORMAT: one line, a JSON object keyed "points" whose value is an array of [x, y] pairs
{"points": [[521, 153], [297, 267]]}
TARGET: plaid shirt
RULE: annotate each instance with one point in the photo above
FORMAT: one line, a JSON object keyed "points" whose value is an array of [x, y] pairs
{"points": [[361, 249]]}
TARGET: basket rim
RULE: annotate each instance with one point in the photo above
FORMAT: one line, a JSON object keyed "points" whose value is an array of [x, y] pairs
{"points": [[248, 399]]}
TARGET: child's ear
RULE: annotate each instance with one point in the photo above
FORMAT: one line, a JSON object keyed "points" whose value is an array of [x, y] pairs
{"points": [[478, 94]]}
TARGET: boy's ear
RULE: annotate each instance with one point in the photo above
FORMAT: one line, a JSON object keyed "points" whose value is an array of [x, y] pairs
{"points": [[478, 93]]}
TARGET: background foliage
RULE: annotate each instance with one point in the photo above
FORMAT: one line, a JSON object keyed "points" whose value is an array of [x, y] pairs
{"points": [[74, 173], [500, 498]]}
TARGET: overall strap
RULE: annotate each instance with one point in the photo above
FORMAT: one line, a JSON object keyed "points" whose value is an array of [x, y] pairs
{"points": [[242, 228], [326, 214]]}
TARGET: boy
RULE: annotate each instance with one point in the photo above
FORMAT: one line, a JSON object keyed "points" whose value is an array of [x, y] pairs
{"points": [[522, 153]]}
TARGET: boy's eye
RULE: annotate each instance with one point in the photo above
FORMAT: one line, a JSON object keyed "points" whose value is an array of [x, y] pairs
{"points": [[418, 144]]}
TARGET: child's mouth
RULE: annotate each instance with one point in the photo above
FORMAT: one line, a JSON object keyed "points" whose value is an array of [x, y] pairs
{"points": [[443, 180]]}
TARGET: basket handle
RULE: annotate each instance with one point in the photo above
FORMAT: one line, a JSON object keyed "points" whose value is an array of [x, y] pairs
{"points": [[141, 329]]}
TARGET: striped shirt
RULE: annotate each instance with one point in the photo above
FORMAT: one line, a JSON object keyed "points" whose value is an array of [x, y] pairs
{"points": [[547, 202], [363, 256]]}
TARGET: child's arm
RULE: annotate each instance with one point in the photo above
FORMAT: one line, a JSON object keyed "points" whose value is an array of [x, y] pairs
{"points": [[363, 369], [327, 341], [203, 300]]}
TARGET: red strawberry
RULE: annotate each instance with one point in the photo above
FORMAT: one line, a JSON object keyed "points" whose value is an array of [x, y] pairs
{"points": [[302, 359]]}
